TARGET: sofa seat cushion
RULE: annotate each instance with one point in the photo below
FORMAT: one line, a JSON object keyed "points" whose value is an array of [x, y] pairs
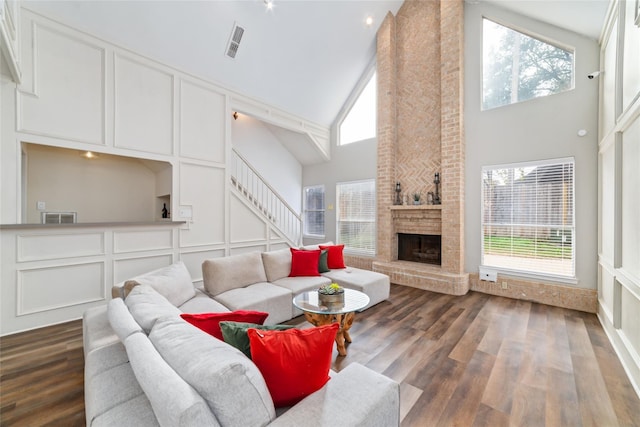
{"points": [[373, 401], [223, 274], [173, 400], [104, 358], [277, 264], [172, 282], [226, 379], [147, 306], [375, 285], [202, 303], [109, 389], [275, 300], [135, 412]]}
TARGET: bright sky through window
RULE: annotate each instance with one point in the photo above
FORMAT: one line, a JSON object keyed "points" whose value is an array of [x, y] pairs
{"points": [[360, 122]]}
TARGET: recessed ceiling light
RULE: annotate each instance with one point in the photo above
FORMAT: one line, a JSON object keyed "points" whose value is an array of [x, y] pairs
{"points": [[368, 21], [268, 4]]}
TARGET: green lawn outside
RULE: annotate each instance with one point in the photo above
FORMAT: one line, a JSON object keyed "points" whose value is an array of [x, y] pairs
{"points": [[522, 246]]}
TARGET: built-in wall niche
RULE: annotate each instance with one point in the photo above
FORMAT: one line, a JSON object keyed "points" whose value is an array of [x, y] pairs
{"points": [[97, 187]]}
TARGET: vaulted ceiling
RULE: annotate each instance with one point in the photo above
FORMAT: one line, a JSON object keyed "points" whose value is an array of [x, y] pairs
{"points": [[303, 56]]}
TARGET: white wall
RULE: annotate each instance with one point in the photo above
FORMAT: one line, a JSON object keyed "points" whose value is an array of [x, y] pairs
{"points": [[351, 162], [260, 147], [619, 187], [542, 128]]}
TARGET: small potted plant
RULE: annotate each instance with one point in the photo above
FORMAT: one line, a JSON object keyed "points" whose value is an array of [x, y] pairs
{"points": [[416, 198], [331, 295]]}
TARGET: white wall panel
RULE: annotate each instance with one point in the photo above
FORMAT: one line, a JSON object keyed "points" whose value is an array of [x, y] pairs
{"points": [[631, 199], [247, 249], [630, 324], [606, 291], [48, 288], [142, 240], [143, 107], [202, 123], [608, 101], [631, 57], [68, 78], [245, 225], [56, 246], [124, 269], [202, 188], [608, 203]]}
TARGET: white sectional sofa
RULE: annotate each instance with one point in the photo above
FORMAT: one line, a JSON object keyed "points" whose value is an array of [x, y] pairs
{"points": [[144, 365]]}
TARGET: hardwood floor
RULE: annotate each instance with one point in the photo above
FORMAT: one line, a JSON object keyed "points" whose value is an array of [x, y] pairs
{"points": [[476, 360]]}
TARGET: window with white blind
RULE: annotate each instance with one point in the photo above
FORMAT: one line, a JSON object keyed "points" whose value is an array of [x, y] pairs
{"points": [[313, 211], [528, 220], [356, 216]]}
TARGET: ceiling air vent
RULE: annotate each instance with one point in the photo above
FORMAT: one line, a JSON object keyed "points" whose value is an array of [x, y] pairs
{"points": [[234, 40]]}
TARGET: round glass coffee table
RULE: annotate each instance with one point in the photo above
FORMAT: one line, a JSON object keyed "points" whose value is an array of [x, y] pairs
{"points": [[343, 313]]}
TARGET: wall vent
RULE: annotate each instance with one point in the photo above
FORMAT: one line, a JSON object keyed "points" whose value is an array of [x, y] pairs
{"points": [[58, 217], [234, 40]]}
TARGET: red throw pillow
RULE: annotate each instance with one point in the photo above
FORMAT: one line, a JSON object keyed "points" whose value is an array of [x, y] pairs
{"points": [[295, 362], [335, 258], [210, 322], [304, 263]]}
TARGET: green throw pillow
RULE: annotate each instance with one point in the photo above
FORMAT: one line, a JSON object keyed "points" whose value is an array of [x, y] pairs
{"points": [[323, 266], [235, 333]]}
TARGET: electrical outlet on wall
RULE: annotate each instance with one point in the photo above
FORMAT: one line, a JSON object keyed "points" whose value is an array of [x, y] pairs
{"points": [[41, 206], [505, 285]]}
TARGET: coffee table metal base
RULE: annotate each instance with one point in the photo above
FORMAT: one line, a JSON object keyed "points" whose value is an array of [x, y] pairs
{"points": [[344, 320]]}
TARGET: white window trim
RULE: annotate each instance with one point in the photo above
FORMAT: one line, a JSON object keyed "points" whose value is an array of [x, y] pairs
{"points": [[573, 280], [304, 210], [351, 100]]}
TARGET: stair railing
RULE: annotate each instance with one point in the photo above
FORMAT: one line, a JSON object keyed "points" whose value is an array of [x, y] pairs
{"points": [[265, 199]]}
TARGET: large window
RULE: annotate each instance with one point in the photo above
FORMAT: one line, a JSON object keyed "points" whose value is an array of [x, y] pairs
{"points": [[356, 216], [314, 211], [360, 122], [517, 67], [528, 217]]}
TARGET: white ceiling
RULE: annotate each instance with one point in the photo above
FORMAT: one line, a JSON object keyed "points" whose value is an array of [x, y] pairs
{"points": [[304, 56]]}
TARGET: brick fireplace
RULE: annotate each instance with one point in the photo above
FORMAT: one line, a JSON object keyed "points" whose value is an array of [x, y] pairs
{"points": [[420, 133]]}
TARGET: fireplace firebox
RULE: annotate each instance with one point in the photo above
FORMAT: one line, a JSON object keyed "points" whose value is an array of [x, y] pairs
{"points": [[425, 248]]}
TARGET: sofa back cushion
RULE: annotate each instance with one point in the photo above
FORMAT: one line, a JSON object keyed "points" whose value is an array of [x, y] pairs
{"points": [[172, 282], [121, 320], [228, 381], [174, 401], [147, 306], [237, 271], [277, 264]]}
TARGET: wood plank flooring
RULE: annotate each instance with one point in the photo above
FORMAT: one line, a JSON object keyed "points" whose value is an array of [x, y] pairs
{"points": [[476, 360]]}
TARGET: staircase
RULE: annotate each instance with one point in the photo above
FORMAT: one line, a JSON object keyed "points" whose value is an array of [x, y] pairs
{"points": [[265, 200]]}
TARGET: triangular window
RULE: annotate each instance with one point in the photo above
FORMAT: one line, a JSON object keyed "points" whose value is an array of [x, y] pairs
{"points": [[359, 124]]}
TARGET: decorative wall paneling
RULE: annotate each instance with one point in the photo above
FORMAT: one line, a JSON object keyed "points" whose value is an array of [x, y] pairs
{"points": [[619, 187], [84, 93], [52, 275]]}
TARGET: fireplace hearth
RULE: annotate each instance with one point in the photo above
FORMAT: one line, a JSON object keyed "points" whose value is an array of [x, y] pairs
{"points": [[424, 248]]}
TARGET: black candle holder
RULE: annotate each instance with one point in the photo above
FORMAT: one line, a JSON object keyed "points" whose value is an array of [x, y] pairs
{"points": [[398, 200], [436, 197]]}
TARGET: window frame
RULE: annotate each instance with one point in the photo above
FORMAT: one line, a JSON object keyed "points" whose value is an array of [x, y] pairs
{"points": [[531, 34], [305, 210], [351, 101], [569, 279], [350, 249]]}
